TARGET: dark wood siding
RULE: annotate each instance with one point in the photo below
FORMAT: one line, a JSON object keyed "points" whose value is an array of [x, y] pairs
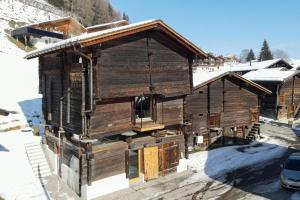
{"points": [[111, 118], [169, 70], [124, 68], [138, 65], [227, 102], [109, 160], [170, 111]]}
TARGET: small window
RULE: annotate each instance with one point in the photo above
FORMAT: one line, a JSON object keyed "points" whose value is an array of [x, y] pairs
{"points": [[142, 107], [200, 92]]}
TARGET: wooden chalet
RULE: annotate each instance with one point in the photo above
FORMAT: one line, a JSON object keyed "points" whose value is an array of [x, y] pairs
{"points": [[284, 103], [52, 31], [244, 68], [116, 98], [223, 109]]}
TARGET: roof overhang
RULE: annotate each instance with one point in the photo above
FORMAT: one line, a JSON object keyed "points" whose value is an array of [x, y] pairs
{"points": [[234, 75], [114, 33]]}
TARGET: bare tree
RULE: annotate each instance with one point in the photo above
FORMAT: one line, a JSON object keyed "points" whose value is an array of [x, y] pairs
{"points": [[243, 55], [279, 53]]}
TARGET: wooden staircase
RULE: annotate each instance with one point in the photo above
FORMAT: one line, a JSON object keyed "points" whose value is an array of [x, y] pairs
{"points": [[297, 112], [37, 159], [254, 133]]}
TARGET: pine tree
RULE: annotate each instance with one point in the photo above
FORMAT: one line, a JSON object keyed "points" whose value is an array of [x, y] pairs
{"points": [[125, 17], [265, 52], [251, 56]]}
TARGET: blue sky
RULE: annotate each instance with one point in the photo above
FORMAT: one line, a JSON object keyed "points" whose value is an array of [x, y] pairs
{"points": [[225, 26]]}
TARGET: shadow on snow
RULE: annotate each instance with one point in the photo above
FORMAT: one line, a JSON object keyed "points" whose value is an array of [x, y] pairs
{"points": [[32, 110]]}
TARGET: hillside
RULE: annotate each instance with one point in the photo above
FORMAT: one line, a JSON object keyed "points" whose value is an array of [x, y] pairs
{"points": [[89, 12], [18, 76]]}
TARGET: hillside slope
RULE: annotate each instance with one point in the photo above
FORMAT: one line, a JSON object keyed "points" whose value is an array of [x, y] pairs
{"points": [[18, 76]]}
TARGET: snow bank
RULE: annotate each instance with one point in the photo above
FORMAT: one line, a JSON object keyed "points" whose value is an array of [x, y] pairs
{"points": [[17, 180], [210, 164]]}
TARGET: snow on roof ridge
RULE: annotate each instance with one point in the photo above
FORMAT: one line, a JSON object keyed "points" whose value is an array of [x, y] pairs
{"points": [[73, 40], [106, 24], [270, 75], [201, 76], [254, 65]]}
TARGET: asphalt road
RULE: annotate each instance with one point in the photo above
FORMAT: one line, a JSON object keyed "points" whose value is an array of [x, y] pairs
{"points": [[252, 182]]}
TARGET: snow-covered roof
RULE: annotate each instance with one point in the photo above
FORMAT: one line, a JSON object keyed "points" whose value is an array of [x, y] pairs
{"points": [[203, 77], [86, 38], [295, 63], [255, 65], [200, 76], [273, 74], [111, 24], [54, 21]]}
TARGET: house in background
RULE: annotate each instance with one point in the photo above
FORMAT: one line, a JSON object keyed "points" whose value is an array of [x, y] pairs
{"points": [[43, 33], [284, 103], [115, 101], [244, 68], [223, 109]]}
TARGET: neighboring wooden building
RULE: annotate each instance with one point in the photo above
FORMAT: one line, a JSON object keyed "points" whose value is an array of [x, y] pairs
{"points": [[4, 112], [244, 68], [48, 31], [223, 108], [118, 98], [284, 103]]}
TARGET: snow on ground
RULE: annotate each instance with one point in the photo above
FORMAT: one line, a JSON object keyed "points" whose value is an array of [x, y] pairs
{"points": [[17, 180], [211, 164], [295, 196], [272, 186], [19, 89]]}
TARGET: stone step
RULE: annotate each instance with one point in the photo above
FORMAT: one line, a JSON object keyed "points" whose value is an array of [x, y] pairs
{"points": [[41, 167], [37, 157], [33, 144], [34, 150], [42, 173], [33, 147], [38, 162]]}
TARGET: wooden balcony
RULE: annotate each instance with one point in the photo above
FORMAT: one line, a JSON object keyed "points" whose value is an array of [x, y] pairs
{"points": [[147, 125]]}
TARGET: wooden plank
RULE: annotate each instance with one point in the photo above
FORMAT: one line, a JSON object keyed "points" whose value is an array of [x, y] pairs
{"points": [[151, 162]]}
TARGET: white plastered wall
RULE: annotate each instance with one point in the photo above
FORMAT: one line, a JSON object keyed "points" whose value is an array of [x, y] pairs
{"points": [[52, 159], [182, 165], [104, 186]]}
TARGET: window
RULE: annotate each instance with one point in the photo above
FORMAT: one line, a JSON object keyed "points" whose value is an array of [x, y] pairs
{"points": [[142, 107], [133, 164]]}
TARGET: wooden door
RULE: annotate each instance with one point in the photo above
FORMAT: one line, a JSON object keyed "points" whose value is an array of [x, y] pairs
{"points": [[254, 115], [151, 162], [214, 120], [290, 112], [240, 132], [168, 157]]}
